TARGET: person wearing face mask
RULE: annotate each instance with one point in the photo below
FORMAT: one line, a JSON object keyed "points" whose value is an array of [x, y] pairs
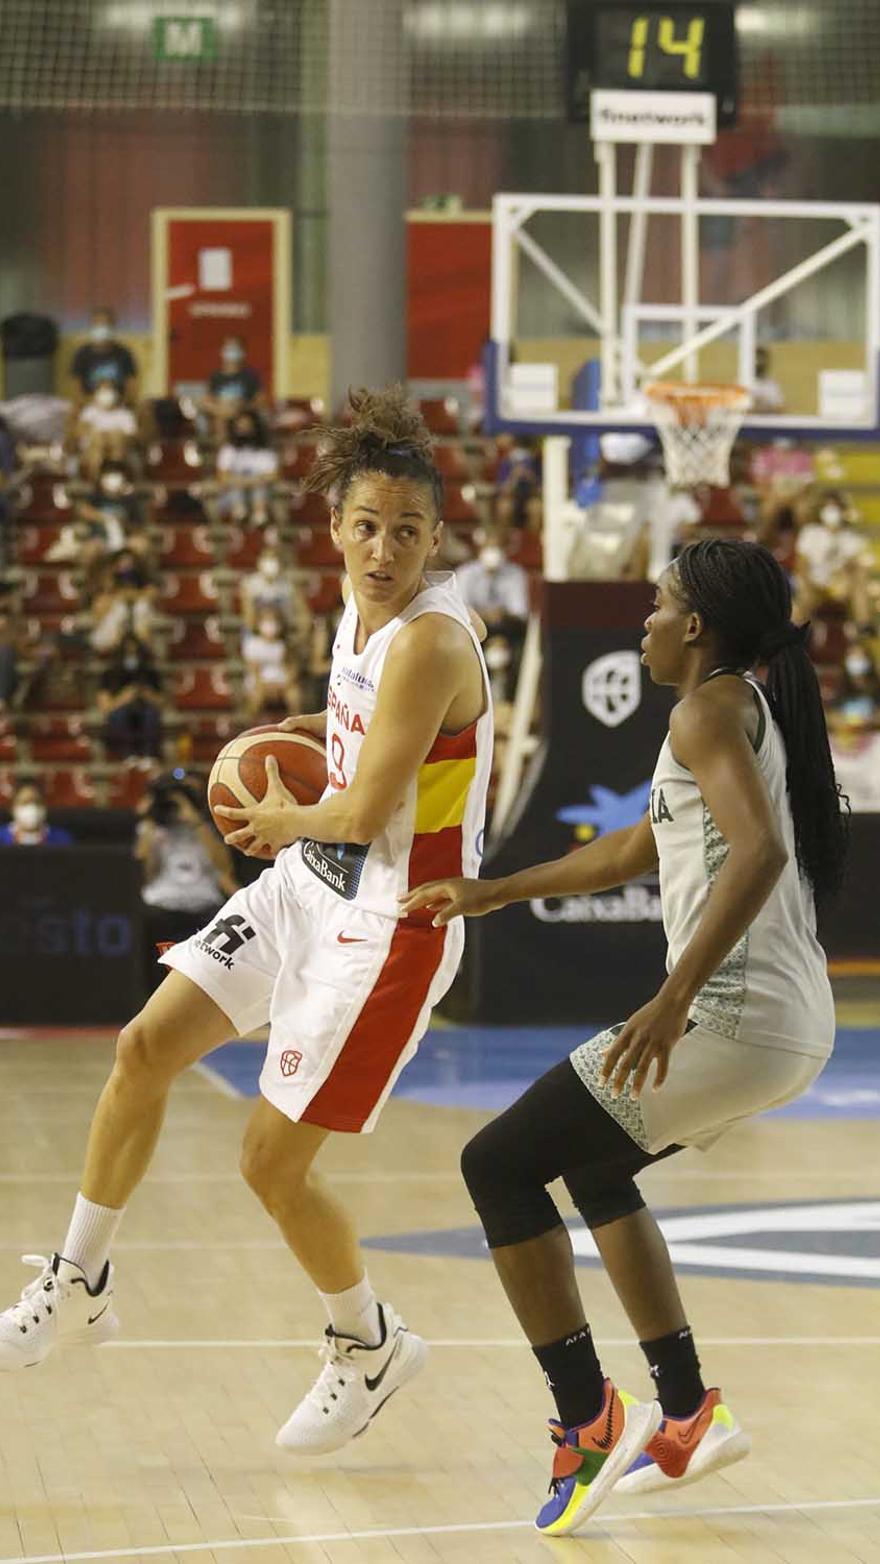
{"points": [[123, 604], [232, 389], [247, 467], [270, 586], [103, 360], [29, 826], [271, 680], [130, 699], [497, 589], [105, 430], [832, 563]]}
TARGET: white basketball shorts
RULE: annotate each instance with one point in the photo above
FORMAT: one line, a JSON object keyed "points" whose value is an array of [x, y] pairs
{"points": [[347, 993]]}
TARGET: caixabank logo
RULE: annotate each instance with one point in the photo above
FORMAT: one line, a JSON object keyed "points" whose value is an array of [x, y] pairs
{"points": [[827, 1241]]}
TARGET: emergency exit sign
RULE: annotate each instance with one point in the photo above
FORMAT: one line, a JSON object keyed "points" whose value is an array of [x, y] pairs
{"points": [[184, 38]]}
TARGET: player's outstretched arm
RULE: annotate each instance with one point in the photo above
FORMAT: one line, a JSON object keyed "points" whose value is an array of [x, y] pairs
{"points": [[612, 860]]}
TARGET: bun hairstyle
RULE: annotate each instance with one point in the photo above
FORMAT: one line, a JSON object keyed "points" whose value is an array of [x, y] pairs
{"points": [[743, 597], [385, 434]]}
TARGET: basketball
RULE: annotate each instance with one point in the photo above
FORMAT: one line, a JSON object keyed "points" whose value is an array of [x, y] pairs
{"points": [[238, 775]]}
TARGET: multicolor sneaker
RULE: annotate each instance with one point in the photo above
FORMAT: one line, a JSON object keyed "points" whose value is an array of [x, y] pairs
{"points": [[685, 1448], [590, 1459]]}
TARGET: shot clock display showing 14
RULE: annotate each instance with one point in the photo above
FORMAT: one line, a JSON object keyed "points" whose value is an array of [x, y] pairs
{"points": [[651, 48]]}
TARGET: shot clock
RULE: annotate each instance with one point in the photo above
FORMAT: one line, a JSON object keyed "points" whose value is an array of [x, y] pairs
{"points": [[651, 48]]}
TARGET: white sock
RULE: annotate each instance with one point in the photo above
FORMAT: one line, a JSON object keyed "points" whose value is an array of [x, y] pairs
{"points": [[89, 1237], [355, 1312]]}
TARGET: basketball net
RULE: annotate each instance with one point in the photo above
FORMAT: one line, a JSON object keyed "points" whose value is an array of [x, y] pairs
{"points": [[697, 425]]}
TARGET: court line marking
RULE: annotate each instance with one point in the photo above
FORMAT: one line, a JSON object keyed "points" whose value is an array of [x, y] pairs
{"points": [[270, 1343], [215, 1079], [234, 1544], [383, 1176]]}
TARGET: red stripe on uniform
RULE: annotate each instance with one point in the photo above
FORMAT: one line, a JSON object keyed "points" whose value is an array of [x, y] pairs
{"points": [[434, 855], [453, 746], [381, 1031]]}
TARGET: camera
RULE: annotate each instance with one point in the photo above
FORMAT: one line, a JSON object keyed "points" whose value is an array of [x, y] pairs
{"points": [[164, 793]]}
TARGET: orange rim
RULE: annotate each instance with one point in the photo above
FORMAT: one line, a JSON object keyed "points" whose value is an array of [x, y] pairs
{"points": [[691, 403]]}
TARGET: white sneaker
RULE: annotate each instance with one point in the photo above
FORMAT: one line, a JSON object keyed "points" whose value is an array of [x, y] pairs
{"points": [[58, 1309], [354, 1384]]}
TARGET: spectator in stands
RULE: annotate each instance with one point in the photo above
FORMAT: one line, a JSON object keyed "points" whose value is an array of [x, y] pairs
{"points": [[187, 872], [832, 563], [247, 468], [10, 645], [518, 487], [103, 361], [106, 430], [234, 388], [123, 603], [766, 392], [497, 589], [270, 586], [272, 679], [29, 826], [858, 704], [130, 700]]}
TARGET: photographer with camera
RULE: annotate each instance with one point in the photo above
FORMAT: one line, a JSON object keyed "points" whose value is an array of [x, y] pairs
{"points": [[187, 871]]}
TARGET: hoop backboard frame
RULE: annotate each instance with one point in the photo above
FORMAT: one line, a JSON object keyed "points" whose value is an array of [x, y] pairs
{"points": [[615, 316]]}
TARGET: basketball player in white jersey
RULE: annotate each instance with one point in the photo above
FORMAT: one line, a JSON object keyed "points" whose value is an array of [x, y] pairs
{"points": [[746, 827], [317, 946]]}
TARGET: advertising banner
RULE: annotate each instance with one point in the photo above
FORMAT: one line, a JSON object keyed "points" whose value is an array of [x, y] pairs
{"points": [[580, 958]]}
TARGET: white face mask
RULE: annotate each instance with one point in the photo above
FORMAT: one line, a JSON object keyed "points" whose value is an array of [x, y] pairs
{"points": [[232, 355], [268, 629], [29, 816], [857, 665], [113, 482], [831, 516], [105, 396], [491, 556], [270, 568], [100, 333]]}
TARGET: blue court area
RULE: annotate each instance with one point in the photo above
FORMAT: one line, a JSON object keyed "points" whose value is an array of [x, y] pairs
{"points": [[489, 1066]]}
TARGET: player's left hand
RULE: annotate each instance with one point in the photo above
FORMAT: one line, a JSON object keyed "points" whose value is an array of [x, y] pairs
{"points": [[265, 827], [650, 1034]]}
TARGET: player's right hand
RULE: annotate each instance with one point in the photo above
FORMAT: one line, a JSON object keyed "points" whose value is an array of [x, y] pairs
{"points": [[452, 899], [316, 724]]}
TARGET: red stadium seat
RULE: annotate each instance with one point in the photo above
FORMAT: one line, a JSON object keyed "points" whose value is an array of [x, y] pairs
{"points": [[527, 549], [244, 548], [50, 591], [186, 546], [441, 414], [452, 461], [459, 502], [59, 738], [314, 546], [297, 457], [174, 461], [32, 543], [208, 734], [324, 591], [126, 786], [295, 413], [69, 790], [191, 641], [309, 510], [8, 742], [197, 689], [189, 593], [42, 498]]}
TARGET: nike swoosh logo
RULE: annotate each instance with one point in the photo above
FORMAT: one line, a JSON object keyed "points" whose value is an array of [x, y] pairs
{"points": [[605, 1442], [687, 1438], [349, 939], [373, 1384], [94, 1317]]}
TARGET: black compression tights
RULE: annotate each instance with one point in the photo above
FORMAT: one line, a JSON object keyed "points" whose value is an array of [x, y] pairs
{"points": [[555, 1129]]}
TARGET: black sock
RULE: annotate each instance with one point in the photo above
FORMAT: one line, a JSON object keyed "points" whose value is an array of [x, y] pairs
{"points": [[574, 1375], [675, 1370]]}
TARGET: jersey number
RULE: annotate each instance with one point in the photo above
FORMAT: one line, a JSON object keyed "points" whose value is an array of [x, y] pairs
{"points": [[337, 777]]}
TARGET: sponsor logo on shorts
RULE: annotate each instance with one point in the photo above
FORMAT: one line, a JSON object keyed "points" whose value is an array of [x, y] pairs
{"points": [[233, 930], [290, 1061]]}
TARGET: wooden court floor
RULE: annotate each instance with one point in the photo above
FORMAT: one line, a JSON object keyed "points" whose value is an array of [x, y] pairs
{"points": [[161, 1446]]}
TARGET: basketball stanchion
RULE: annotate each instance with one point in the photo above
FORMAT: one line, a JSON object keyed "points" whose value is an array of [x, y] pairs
{"points": [[697, 425]]}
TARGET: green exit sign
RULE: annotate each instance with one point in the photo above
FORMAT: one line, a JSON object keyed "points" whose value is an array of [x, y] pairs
{"points": [[184, 38]]}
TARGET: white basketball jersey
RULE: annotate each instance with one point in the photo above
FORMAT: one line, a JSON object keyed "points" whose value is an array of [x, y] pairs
{"points": [[436, 830], [773, 986]]}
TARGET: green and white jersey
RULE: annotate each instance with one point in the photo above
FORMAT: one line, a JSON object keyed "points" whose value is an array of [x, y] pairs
{"points": [[772, 988]]}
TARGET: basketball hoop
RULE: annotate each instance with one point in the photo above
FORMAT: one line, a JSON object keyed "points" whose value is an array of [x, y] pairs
{"points": [[697, 425]]}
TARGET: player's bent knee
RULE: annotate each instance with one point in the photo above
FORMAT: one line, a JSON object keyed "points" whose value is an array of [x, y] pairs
{"points": [[148, 1053], [599, 1204]]}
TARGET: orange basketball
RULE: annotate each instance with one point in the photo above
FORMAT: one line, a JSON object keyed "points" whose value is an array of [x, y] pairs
{"points": [[238, 775]]}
